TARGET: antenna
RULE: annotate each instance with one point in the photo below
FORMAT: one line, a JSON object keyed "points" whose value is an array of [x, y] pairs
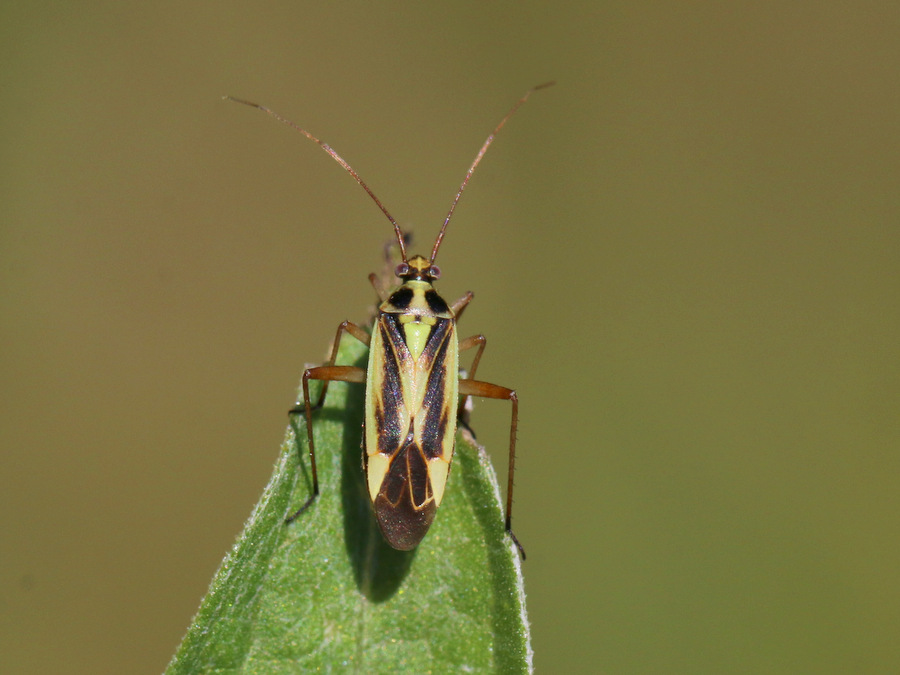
{"points": [[340, 160], [487, 143]]}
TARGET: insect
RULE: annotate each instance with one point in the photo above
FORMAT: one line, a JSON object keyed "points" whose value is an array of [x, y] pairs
{"points": [[413, 387]]}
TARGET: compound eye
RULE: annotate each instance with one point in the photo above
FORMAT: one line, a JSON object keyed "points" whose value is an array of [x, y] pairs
{"points": [[434, 272], [402, 270]]}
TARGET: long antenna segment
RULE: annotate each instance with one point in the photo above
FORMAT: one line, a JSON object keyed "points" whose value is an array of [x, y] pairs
{"points": [[340, 160], [487, 144]]}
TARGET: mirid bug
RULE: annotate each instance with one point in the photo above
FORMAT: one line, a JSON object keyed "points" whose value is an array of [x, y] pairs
{"points": [[413, 387]]}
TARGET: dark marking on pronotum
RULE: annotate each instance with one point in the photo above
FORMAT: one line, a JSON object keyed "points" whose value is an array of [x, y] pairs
{"points": [[436, 303], [401, 298]]}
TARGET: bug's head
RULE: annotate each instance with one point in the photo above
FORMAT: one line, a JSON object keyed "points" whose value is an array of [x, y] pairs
{"points": [[418, 269]]}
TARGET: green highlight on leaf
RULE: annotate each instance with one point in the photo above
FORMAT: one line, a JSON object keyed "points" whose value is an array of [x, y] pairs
{"points": [[327, 594]]}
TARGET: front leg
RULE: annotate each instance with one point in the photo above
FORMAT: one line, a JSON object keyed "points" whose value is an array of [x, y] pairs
{"points": [[457, 307]]}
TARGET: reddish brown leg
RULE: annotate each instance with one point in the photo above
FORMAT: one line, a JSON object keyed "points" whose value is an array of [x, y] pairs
{"points": [[458, 306], [326, 373], [378, 284], [481, 342], [488, 390], [345, 327], [475, 341], [457, 309]]}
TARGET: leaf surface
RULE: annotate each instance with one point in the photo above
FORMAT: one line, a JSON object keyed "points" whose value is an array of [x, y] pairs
{"points": [[326, 593]]}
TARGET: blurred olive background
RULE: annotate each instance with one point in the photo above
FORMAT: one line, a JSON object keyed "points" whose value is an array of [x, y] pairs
{"points": [[684, 255]]}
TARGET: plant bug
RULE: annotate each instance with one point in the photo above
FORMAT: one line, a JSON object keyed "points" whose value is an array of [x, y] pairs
{"points": [[413, 387]]}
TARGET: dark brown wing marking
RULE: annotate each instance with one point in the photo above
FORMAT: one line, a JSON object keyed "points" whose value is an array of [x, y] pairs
{"points": [[437, 407], [405, 506], [390, 399]]}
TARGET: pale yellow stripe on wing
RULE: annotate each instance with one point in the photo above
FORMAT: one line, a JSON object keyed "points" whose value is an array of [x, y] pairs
{"points": [[438, 469], [377, 462], [376, 471]]}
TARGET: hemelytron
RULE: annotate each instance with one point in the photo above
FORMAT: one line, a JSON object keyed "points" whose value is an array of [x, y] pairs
{"points": [[413, 387]]}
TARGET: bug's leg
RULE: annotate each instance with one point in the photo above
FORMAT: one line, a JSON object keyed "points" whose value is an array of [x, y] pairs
{"points": [[457, 309], [347, 327], [475, 341], [326, 373], [379, 286], [458, 306], [488, 390]]}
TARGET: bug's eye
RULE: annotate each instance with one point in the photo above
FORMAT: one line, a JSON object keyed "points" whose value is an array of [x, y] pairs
{"points": [[434, 272], [402, 270]]}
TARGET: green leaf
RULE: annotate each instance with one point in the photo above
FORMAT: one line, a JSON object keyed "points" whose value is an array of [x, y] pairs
{"points": [[326, 593]]}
